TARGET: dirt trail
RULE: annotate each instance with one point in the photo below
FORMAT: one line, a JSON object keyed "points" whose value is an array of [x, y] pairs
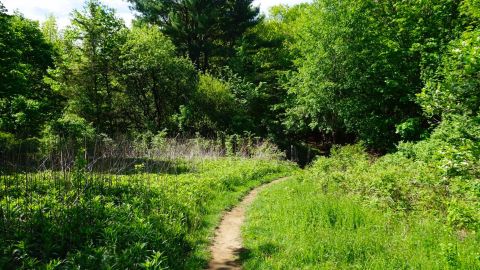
{"points": [[227, 243]]}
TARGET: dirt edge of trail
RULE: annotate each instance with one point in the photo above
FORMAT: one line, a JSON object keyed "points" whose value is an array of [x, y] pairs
{"points": [[227, 243]]}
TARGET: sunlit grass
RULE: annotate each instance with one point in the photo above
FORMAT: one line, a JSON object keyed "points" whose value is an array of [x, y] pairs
{"points": [[100, 221], [298, 225]]}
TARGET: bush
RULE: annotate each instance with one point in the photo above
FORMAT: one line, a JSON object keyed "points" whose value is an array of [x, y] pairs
{"points": [[68, 128], [212, 110], [6, 140], [417, 208], [438, 175], [298, 225], [454, 90]]}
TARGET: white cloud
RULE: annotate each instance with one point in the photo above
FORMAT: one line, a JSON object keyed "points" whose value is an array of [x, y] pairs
{"points": [[40, 9]]}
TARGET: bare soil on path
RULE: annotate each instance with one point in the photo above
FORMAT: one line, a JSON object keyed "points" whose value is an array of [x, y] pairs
{"points": [[227, 244]]}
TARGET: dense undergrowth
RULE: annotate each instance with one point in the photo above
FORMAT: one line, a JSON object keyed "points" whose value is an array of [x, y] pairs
{"points": [[135, 221], [417, 208]]}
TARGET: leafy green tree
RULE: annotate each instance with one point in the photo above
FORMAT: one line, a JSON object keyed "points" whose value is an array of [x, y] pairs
{"points": [[50, 30], [157, 82], [226, 103], [212, 109], [454, 87], [264, 57], [87, 72], [264, 53], [361, 64], [201, 29], [26, 102]]}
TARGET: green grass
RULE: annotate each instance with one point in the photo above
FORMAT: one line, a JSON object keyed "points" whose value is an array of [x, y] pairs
{"points": [[138, 221], [294, 225], [350, 212]]}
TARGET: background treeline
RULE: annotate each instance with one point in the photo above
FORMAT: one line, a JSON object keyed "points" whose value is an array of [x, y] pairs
{"points": [[329, 72], [99, 77]]}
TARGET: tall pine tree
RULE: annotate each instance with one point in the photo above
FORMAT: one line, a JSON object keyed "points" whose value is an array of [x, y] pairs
{"points": [[201, 29]]}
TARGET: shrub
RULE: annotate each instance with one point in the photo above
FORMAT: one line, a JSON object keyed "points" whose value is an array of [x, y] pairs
{"points": [[68, 128], [438, 175], [6, 140]]}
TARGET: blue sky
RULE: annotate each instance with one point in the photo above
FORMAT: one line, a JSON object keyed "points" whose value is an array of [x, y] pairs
{"points": [[40, 9]]}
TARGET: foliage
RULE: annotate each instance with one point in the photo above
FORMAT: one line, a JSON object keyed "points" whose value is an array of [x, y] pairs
{"points": [[250, 101], [453, 151], [263, 58], [386, 73], [87, 70], [455, 88], [211, 108], [68, 128], [416, 208], [200, 29], [50, 31], [227, 103], [157, 82], [323, 73], [360, 65], [438, 176], [120, 80], [6, 140], [337, 231], [26, 103], [86, 220]]}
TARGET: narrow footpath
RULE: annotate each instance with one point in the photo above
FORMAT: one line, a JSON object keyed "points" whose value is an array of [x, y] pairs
{"points": [[227, 244]]}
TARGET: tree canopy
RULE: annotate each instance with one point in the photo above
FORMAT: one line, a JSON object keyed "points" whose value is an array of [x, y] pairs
{"points": [[201, 29], [323, 73], [26, 102]]}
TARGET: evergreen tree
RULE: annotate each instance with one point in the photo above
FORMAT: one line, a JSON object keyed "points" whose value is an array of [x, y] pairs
{"points": [[201, 29]]}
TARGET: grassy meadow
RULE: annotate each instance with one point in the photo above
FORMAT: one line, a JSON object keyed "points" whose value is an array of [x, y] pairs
{"points": [[82, 220], [351, 211]]}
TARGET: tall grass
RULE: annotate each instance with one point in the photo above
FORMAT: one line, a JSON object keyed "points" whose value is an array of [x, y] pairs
{"points": [[351, 212], [151, 153], [297, 226], [121, 209]]}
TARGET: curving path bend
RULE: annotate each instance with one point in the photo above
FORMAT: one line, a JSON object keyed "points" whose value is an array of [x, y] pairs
{"points": [[227, 243]]}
